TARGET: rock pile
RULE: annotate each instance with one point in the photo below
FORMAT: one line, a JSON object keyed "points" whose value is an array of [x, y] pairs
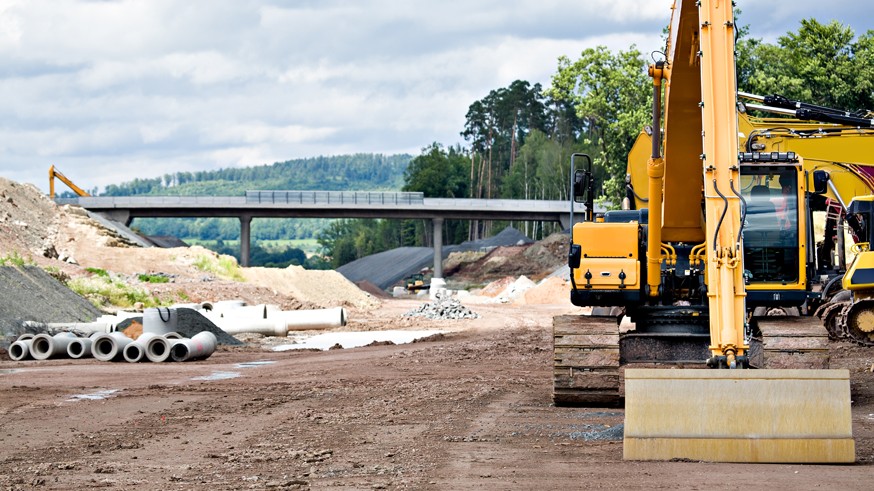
{"points": [[444, 307]]}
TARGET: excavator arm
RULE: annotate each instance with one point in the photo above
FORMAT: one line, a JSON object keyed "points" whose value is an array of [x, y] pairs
{"points": [[53, 173]]}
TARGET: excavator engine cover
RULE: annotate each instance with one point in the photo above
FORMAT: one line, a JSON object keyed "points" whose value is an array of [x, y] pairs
{"points": [[797, 416]]}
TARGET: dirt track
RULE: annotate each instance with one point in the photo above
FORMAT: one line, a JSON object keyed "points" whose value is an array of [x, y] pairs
{"points": [[471, 411]]}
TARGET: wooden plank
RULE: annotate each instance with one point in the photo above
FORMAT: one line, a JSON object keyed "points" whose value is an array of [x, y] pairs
{"points": [[586, 358], [584, 341], [576, 379]]}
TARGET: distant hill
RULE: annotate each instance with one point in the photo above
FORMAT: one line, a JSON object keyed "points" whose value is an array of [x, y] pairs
{"points": [[358, 172]]}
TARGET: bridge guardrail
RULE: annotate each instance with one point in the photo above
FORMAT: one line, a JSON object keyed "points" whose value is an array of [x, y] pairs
{"points": [[336, 197]]}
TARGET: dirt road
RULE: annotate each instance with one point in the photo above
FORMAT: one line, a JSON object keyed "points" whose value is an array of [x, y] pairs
{"points": [[470, 411]]}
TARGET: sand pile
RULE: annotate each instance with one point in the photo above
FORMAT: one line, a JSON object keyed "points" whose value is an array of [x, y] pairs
{"points": [[553, 290], [29, 220], [323, 288]]}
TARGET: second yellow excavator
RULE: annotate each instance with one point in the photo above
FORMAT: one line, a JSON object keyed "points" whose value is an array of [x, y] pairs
{"points": [[680, 270]]}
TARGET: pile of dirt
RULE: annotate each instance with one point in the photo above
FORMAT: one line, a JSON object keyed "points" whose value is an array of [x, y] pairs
{"points": [[535, 261], [323, 288], [29, 221], [553, 290], [30, 294]]}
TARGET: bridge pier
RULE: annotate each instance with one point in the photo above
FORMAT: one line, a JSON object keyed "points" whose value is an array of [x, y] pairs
{"points": [[437, 225], [245, 234]]}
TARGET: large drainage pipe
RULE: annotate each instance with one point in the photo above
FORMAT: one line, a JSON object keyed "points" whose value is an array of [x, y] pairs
{"points": [[20, 349], [237, 325], [136, 351], [109, 346], [79, 348], [302, 320], [157, 349], [200, 346], [85, 327], [44, 346]]}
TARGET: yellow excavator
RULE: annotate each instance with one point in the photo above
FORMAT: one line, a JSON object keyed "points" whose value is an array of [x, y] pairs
{"points": [[53, 173], [680, 270]]}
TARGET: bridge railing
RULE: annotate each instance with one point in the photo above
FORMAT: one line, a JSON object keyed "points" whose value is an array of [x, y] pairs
{"points": [[335, 197]]}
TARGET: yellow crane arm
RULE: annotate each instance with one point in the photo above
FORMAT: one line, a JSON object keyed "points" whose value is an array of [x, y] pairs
{"points": [[53, 173]]}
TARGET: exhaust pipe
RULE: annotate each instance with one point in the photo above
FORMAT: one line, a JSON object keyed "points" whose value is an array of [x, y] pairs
{"points": [[44, 346], [20, 349], [202, 345], [109, 346]]}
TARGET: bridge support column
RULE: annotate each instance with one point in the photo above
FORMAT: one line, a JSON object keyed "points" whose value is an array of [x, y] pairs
{"points": [[437, 224], [245, 234]]}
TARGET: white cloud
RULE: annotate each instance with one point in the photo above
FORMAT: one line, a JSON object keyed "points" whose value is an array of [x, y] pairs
{"points": [[113, 90]]}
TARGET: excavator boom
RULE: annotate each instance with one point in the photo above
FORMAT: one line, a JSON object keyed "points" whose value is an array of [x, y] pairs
{"points": [[53, 173]]}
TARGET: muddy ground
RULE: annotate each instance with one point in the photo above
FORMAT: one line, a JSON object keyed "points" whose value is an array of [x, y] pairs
{"points": [[469, 411]]}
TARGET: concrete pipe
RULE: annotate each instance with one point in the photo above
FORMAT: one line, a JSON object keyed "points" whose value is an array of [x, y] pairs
{"points": [[157, 349], [20, 350], [44, 346], [26, 336], [201, 346], [303, 320], [109, 346], [84, 327], [238, 325], [136, 351], [170, 336], [79, 348], [160, 320]]}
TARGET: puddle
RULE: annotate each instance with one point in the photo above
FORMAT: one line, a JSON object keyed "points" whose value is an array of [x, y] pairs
{"points": [[355, 339], [218, 376], [253, 364], [94, 396], [9, 371]]}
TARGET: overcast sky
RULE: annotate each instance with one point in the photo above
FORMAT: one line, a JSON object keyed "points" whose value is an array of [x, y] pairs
{"points": [[109, 91]]}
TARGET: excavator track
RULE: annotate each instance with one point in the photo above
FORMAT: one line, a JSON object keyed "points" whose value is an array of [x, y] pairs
{"points": [[830, 313], [790, 342], [857, 320], [586, 361]]}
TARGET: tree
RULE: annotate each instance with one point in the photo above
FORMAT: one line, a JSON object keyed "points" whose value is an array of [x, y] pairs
{"points": [[819, 64], [611, 95]]}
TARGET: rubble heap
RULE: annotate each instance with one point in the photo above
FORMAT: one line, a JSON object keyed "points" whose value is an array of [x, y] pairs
{"points": [[445, 306]]}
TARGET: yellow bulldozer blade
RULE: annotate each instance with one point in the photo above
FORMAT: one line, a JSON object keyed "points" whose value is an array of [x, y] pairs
{"points": [[797, 416]]}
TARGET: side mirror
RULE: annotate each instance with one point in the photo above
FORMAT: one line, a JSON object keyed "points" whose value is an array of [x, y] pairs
{"points": [[581, 181], [820, 181], [573, 257]]}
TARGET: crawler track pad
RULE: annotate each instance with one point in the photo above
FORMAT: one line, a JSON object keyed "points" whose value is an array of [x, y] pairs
{"points": [[800, 416]]}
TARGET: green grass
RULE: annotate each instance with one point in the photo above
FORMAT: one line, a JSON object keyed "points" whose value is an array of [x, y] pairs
{"points": [[14, 259], [98, 272], [222, 266], [103, 291], [153, 278]]}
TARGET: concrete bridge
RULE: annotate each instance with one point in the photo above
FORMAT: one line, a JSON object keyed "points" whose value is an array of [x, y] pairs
{"points": [[328, 204]]}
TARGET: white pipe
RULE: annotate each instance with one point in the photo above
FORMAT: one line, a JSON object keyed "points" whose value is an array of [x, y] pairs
{"points": [[88, 327], [26, 336], [79, 348], [157, 349], [235, 325], [109, 346], [44, 346], [20, 350], [202, 345], [302, 320], [173, 335], [134, 352]]}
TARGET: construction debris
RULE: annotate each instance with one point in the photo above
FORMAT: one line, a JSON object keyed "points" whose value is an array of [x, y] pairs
{"points": [[444, 307]]}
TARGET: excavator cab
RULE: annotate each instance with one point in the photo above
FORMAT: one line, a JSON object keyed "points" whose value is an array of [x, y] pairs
{"points": [[774, 231]]}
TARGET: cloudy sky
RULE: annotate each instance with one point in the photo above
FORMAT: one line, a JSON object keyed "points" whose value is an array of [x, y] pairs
{"points": [[111, 90]]}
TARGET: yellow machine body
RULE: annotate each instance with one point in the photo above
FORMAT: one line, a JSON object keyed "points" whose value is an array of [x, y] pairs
{"points": [[735, 415], [609, 256]]}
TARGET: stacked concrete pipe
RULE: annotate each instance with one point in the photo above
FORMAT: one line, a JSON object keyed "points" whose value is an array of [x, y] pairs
{"points": [[44, 346], [20, 349], [109, 346], [200, 346], [81, 347]]}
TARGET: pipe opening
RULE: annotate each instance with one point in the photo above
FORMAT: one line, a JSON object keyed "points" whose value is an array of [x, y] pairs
{"points": [[16, 351], [105, 347], [76, 349], [41, 345], [179, 352]]}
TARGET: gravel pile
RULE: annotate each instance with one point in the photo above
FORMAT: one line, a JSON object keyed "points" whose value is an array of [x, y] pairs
{"points": [[443, 307]]}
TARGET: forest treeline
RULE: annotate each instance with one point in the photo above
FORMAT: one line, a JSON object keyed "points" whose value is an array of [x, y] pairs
{"points": [[518, 139]]}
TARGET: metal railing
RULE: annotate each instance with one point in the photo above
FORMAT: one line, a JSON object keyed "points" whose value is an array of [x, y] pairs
{"points": [[335, 197]]}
